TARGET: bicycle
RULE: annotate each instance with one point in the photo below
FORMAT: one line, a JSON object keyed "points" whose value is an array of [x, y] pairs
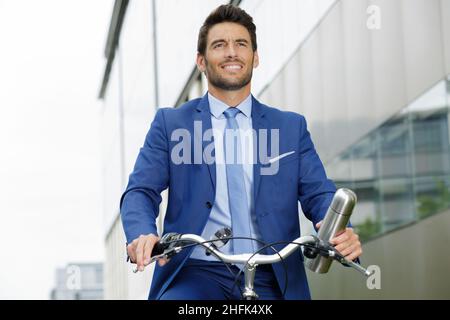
{"points": [[173, 243]]}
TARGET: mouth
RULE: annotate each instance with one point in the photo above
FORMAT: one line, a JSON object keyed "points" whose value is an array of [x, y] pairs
{"points": [[231, 67]]}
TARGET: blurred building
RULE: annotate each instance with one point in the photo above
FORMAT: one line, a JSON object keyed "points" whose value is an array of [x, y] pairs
{"points": [[372, 79], [81, 281]]}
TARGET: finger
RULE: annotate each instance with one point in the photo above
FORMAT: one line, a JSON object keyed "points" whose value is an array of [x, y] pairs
{"points": [[318, 224], [140, 253], [350, 249], [354, 255], [340, 240], [351, 239], [339, 233], [131, 251], [342, 246], [148, 247], [341, 237]]}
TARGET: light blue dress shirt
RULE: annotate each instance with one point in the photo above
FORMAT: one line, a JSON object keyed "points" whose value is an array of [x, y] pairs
{"points": [[220, 213]]}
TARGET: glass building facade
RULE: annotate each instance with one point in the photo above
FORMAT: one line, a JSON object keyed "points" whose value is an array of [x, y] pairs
{"points": [[401, 169]]}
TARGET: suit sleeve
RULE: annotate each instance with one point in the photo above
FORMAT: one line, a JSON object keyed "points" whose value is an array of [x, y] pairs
{"points": [[315, 190], [139, 204]]}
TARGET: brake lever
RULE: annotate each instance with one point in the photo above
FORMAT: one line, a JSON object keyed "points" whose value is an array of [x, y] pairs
{"points": [[334, 254], [356, 266], [168, 253], [327, 250], [152, 259]]}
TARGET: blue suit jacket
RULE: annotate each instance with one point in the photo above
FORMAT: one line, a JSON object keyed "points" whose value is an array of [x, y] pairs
{"points": [[301, 177]]}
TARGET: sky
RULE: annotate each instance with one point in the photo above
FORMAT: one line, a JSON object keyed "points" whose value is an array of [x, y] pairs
{"points": [[51, 66]]}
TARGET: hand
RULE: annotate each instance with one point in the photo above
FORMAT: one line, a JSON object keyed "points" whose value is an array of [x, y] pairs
{"points": [[346, 243], [140, 251]]}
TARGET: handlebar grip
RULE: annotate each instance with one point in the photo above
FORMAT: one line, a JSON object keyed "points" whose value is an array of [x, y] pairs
{"points": [[158, 249]]}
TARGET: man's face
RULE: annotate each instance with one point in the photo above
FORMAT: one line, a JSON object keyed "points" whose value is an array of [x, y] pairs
{"points": [[229, 58]]}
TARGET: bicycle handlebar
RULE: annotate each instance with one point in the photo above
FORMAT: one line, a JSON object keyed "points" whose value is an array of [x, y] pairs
{"points": [[172, 243]]}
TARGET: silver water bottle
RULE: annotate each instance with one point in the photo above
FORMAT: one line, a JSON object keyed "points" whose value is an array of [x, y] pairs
{"points": [[335, 221]]}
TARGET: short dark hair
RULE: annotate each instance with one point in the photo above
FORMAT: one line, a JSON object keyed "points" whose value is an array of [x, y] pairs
{"points": [[226, 13]]}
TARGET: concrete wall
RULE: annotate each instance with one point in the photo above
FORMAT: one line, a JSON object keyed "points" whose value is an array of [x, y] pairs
{"points": [[414, 264]]}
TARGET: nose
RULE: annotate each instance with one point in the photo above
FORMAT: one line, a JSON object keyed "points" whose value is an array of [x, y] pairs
{"points": [[231, 51]]}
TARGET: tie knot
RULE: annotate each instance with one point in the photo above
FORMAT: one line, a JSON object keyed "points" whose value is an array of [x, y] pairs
{"points": [[231, 113]]}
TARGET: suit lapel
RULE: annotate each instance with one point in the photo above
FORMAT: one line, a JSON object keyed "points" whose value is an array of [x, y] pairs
{"points": [[259, 121], [203, 115]]}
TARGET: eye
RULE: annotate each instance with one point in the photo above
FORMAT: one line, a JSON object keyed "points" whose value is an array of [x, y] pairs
{"points": [[218, 45]]}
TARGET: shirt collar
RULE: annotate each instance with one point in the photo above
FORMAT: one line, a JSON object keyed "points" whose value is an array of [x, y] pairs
{"points": [[217, 107]]}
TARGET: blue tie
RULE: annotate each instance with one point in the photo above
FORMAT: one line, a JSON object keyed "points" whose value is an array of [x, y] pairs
{"points": [[237, 197]]}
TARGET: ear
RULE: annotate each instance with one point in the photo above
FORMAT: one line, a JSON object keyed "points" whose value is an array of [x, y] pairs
{"points": [[255, 60], [201, 62]]}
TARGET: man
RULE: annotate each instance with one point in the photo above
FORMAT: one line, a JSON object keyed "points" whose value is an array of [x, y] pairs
{"points": [[256, 198]]}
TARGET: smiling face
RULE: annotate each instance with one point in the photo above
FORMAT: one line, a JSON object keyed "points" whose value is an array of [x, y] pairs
{"points": [[229, 58]]}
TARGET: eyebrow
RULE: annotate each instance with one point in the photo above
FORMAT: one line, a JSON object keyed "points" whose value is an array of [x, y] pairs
{"points": [[223, 40]]}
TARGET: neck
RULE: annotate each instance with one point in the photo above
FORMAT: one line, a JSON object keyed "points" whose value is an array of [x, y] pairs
{"points": [[231, 98]]}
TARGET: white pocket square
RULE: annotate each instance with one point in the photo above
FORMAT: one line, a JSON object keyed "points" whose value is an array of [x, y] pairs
{"points": [[281, 156]]}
